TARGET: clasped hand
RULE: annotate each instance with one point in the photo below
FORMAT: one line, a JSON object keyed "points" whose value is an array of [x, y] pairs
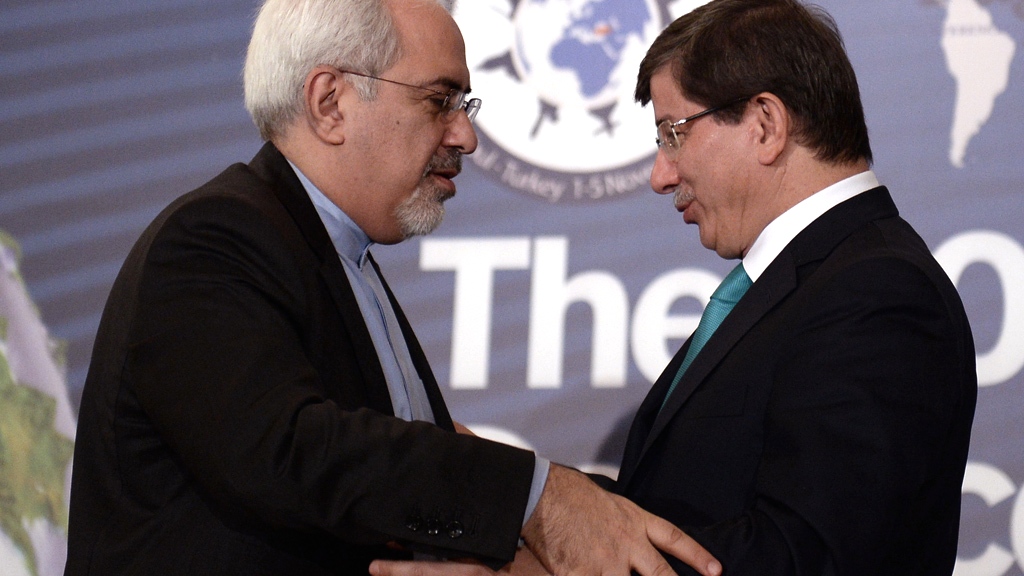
{"points": [[578, 528]]}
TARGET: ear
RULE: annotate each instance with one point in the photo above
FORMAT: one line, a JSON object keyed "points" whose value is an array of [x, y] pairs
{"points": [[324, 103], [773, 125]]}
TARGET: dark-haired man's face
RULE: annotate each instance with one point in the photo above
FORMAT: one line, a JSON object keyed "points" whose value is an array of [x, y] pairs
{"points": [[709, 174]]}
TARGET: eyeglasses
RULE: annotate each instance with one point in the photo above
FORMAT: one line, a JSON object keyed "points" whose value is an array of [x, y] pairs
{"points": [[668, 135], [448, 103]]}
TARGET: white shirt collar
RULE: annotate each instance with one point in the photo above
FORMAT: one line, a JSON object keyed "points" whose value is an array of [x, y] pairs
{"points": [[779, 232]]}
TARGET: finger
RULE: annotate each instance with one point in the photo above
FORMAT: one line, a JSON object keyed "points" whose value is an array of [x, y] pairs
{"points": [[650, 563], [400, 568], [426, 568], [670, 539], [390, 568]]}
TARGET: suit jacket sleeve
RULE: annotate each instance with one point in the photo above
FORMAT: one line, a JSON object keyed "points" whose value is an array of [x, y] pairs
{"points": [[234, 370]]}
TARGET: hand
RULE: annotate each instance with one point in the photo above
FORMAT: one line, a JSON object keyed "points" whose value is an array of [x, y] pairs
{"points": [[525, 564], [578, 528]]}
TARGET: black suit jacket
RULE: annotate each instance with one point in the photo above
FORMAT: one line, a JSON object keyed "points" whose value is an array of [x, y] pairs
{"points": [[824, 428], [236, 420]]}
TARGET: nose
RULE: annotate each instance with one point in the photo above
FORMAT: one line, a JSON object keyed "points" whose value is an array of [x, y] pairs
{"points": [[664, 176], [460, 133]]}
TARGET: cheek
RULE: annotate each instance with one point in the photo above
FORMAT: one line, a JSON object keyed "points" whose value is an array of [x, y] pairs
{"points": [[718, 212], [696, 171]]}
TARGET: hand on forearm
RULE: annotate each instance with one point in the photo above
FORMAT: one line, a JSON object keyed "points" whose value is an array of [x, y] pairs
{"points": [[578, 528]]}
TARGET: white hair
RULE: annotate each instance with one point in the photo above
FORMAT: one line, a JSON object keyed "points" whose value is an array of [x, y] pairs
{"points": [[291, 37]]}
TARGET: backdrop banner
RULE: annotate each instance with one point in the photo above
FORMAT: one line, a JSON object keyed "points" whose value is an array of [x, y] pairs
{"points": [[559, 285]]}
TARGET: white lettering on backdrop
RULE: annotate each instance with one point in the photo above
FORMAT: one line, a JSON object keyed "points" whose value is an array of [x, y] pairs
{"points": [[475, 260]]}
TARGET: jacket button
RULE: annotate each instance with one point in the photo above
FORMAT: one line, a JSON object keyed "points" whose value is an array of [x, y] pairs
{"points": [[414, 523], [455, 529], [433, 526]]}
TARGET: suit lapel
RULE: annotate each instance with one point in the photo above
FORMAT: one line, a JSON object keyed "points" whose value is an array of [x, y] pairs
{"points": [[781, 278], [777, 282], [770, 289], [646, 414], [441, 416], [366, 355], [271, 165]]}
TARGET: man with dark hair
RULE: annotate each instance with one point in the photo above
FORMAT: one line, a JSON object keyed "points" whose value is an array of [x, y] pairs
{"points": [[818, 420], [257, 403], [820, 426]]}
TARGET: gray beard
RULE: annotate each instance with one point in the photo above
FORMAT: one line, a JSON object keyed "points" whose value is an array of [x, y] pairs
{"points": [[422, 213]]}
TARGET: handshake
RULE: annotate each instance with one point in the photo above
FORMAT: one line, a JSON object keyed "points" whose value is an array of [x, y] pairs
{"points": [[579, 528]]}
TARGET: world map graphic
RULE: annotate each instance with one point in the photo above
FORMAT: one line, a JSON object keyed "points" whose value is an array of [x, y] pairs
{"points": [[591, 46]]}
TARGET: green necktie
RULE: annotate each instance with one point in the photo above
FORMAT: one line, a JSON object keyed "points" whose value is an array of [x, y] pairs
{"points": [[722, 301]]}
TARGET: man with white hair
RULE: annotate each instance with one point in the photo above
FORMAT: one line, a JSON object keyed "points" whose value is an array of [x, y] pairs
{"points": [[257, 402]]}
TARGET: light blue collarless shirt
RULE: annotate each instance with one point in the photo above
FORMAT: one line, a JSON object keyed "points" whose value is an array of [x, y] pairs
{"points": [[408, 395]]}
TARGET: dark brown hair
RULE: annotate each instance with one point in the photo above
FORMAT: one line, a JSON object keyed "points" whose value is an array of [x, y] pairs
{"points": [[732, 49]]}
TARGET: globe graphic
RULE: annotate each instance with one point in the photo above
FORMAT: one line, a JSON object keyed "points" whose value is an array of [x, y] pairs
{"points": [[570, 52]]}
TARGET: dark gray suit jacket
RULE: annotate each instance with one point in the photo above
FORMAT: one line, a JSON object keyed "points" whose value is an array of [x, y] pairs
{"points": [[236, 420], [824, 427]]}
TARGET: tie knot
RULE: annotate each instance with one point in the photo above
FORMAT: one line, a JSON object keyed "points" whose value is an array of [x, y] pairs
{"points": [[734, 286]]}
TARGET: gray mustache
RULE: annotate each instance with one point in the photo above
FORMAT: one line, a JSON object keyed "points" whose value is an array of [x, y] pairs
{"points": [[447, 161]]}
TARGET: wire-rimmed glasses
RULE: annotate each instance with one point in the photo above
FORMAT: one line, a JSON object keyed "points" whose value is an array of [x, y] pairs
{"points": [[448, 103], [668, 135]]}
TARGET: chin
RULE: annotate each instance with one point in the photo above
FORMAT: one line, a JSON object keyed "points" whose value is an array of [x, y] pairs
{"points": [[419, 215]]}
